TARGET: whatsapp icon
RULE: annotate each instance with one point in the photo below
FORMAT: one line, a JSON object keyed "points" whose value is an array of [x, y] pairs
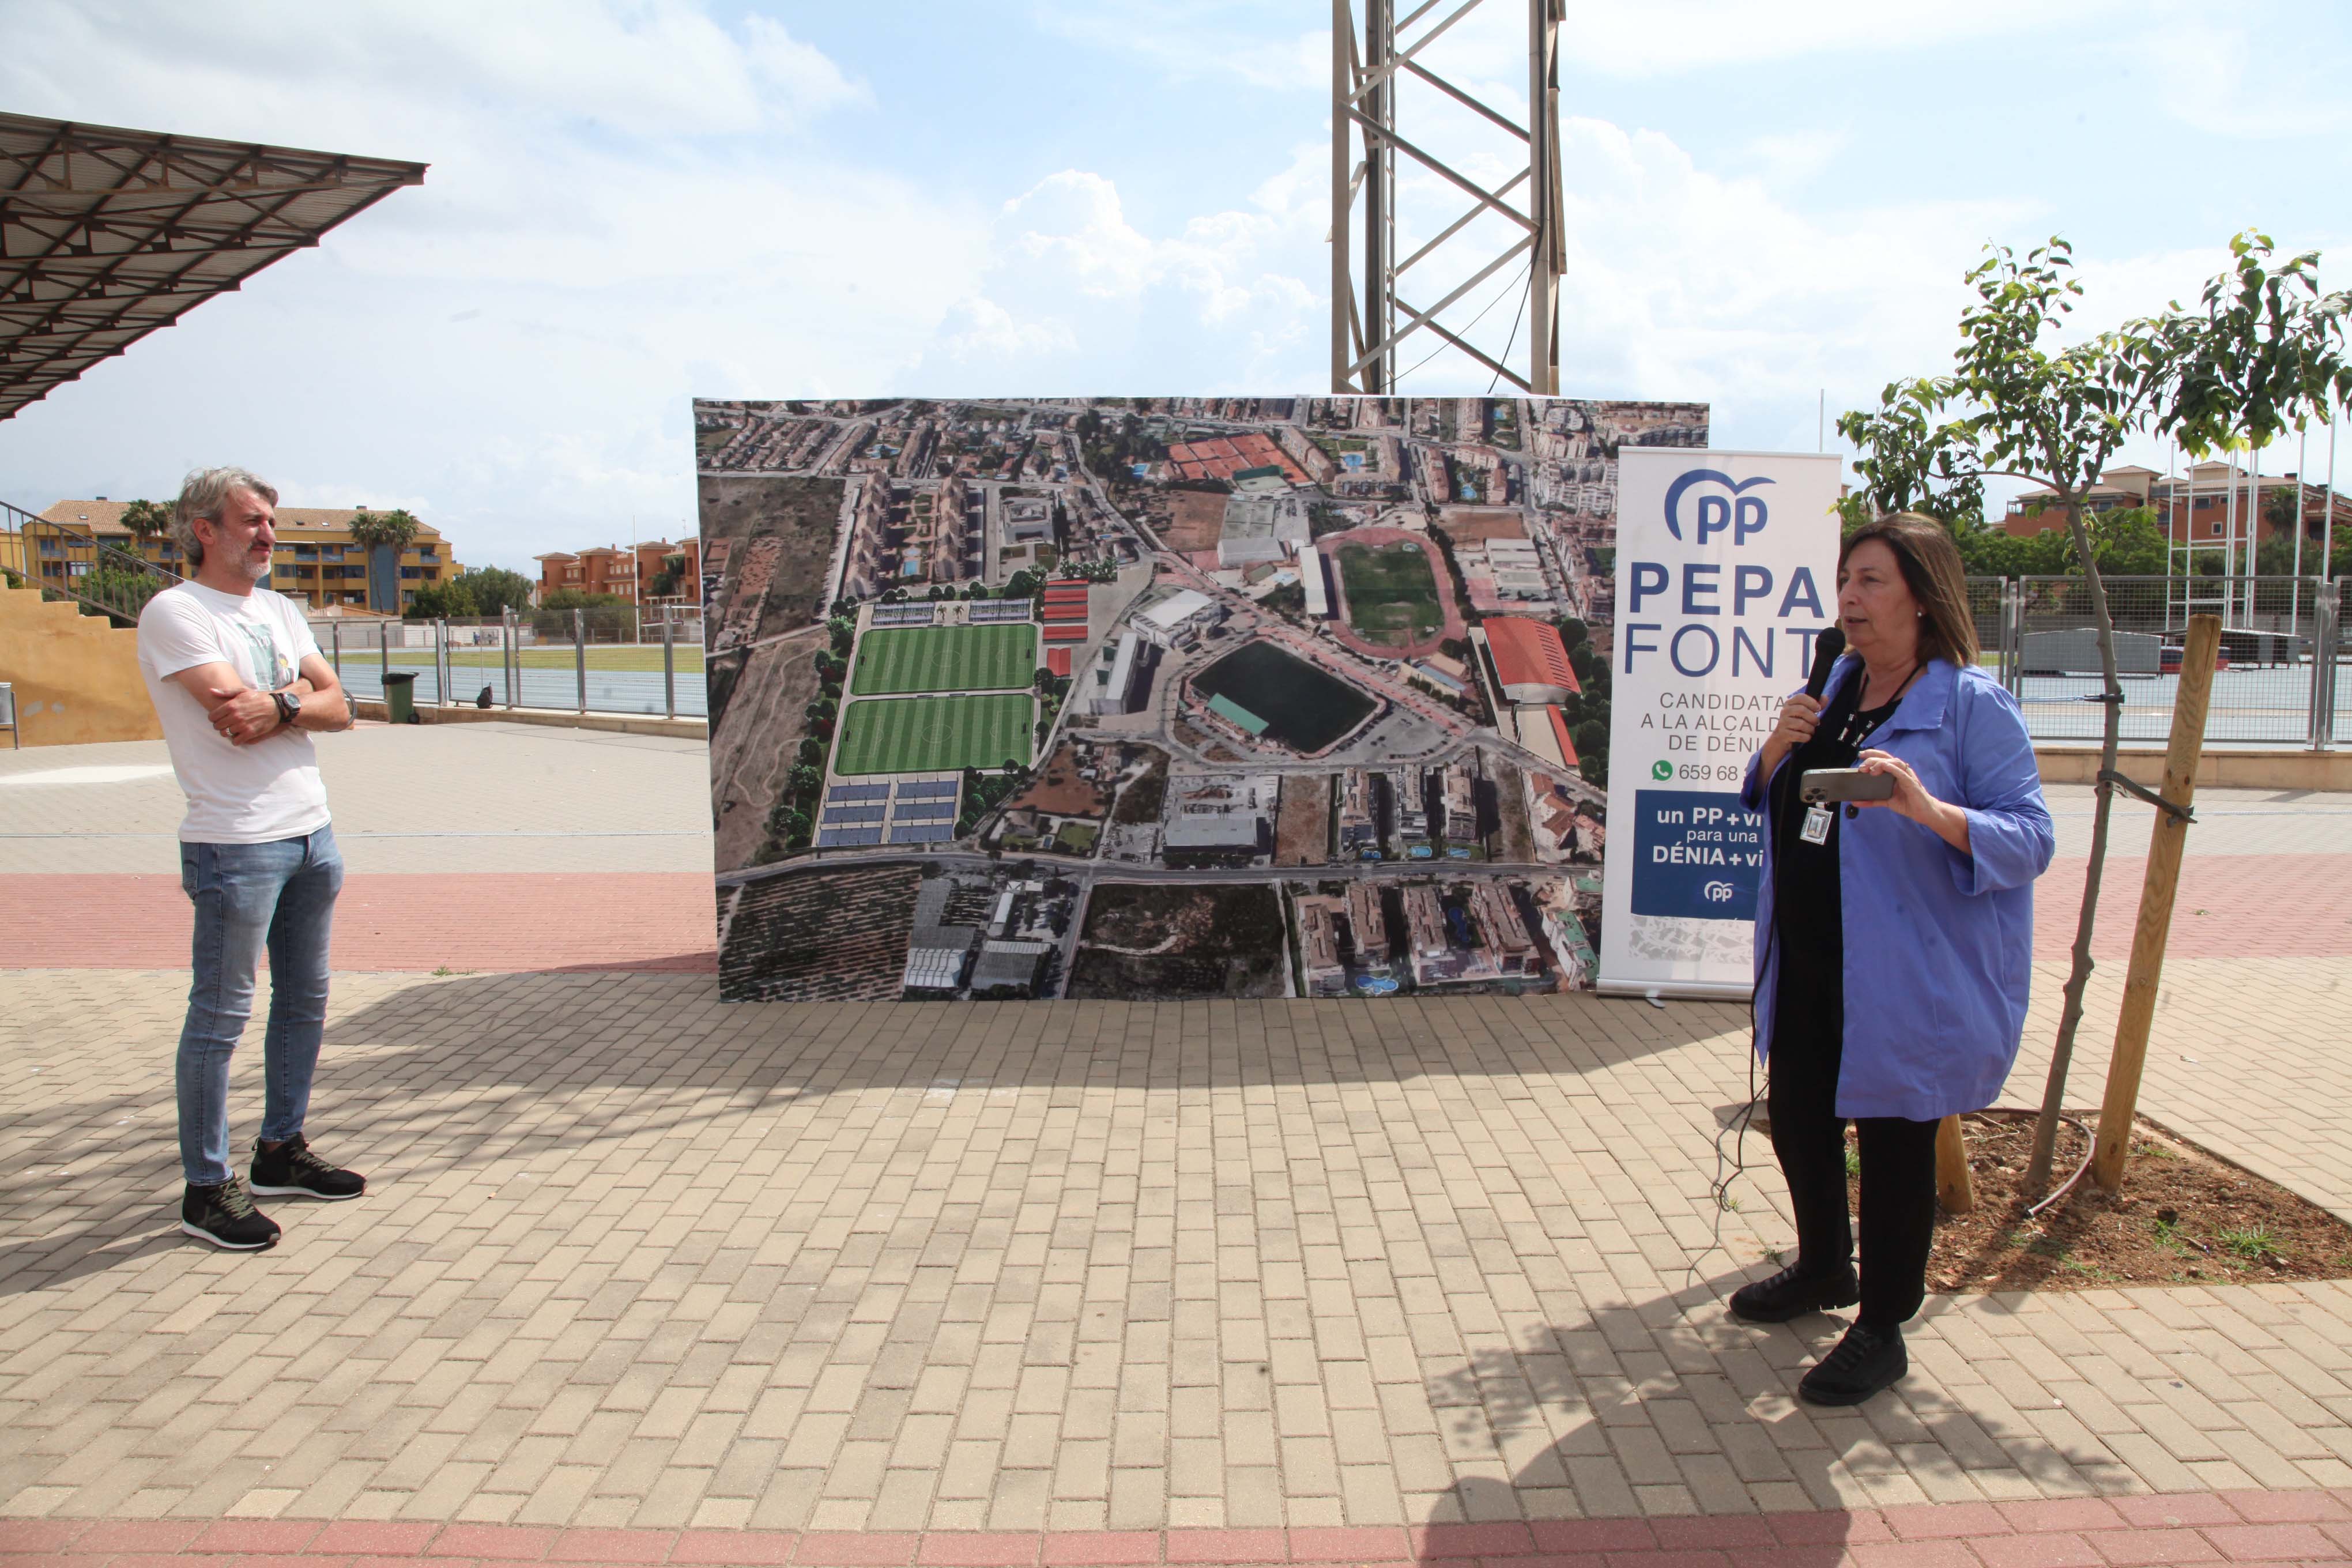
{"points": [[1662, 770]]}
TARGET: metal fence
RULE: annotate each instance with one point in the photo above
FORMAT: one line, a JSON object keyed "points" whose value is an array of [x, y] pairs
{"points": [[2284, 682], [2282, 651], [584, 661]]}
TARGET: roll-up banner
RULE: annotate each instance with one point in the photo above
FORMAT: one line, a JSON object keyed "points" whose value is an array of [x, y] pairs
{"points": [[1727, 567]]}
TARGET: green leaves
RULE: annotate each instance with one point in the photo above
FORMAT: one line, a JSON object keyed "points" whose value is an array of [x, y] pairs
{"points": [[147, 518], [2266, 354], [373, 530]]}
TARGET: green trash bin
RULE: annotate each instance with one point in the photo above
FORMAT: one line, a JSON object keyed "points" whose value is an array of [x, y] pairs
{"points": [[400, 696]]}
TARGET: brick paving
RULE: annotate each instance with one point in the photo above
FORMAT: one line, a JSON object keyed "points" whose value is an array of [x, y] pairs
{"points": [[643, 1279], [505, 921], [2225, 1527], [2278, 905], [638, 1260]]}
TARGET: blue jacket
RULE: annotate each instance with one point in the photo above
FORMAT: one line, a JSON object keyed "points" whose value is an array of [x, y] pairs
{"points": [[1939, 944]]}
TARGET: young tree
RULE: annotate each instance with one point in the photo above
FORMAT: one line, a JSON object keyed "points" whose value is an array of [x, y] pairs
{"points": [[2264, 357], [2018, 406]]}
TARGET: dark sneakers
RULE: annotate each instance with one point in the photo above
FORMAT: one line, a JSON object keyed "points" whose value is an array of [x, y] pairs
{"points": [[1788, 1294], [290, 1169], [226, 1216], [1867, 1360]]}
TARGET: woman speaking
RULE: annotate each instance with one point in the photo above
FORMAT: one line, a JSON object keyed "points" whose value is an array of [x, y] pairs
{"points": [[1893, 938]]}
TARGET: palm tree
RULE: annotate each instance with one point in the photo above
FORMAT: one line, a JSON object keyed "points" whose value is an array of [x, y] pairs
{"points": [[385, 536], [148, 521], [373, 530]]}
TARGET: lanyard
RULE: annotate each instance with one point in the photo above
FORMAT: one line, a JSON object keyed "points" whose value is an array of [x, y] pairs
{"points": [[1855, 730]]}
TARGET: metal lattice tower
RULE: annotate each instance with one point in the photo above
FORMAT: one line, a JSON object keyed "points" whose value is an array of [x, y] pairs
{"points": [[1369, 316]]}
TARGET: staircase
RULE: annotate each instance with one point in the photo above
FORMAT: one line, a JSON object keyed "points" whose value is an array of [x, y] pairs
{"points": [[69, 562], [71, 657]]}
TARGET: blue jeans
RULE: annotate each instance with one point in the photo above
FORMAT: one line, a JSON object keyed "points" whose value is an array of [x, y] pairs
{"points": [[250, 896]]}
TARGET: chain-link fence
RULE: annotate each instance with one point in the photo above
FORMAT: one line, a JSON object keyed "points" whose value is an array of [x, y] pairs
{"points": [[2282, 652], [608, 660]]}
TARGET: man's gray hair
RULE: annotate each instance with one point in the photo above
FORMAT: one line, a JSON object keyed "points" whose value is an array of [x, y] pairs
{"points": [[203, 494]]}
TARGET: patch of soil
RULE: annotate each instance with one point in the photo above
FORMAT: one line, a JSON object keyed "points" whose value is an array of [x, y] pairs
{"points": [[2184, 1218], [1303, 822], [1057, 788], [1194, 520], [1140, 802]]}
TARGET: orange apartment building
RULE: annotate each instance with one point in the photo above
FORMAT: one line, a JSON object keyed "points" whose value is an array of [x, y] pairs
{"points": [[608, 569], [2200, 506], [315, 561]]}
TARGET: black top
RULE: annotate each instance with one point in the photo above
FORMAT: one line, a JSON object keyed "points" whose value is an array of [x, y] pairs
{"points": [[1807, 914]]}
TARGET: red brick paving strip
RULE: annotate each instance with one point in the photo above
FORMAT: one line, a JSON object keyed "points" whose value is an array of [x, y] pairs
{"points": [[2300, 1526], [2230, 906], [483, 923], [2280, 906]]}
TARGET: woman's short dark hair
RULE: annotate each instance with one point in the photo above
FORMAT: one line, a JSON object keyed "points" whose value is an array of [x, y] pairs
{"points": [[1938, 578]]}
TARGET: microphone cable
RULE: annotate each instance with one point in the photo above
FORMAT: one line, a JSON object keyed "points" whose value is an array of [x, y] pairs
{"points": [[1827, 649]]}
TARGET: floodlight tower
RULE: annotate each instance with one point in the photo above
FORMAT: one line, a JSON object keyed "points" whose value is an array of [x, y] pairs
{"points": [[1369, 318]]}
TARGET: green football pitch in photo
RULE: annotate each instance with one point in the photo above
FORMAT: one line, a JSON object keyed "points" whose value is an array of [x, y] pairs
{"points": [[945, 658], [923, 735]]}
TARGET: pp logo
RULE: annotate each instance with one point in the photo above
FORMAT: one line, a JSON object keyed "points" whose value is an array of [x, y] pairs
{"points": [[1740, 513], [1662, 770], [1719, 892]]}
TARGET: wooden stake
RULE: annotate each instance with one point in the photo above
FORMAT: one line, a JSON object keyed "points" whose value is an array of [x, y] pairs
{"points": [[2167, 841], [1955, 1189]]}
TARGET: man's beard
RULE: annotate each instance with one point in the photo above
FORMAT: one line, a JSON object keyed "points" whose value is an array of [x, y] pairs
{"points": [[255, 568]]}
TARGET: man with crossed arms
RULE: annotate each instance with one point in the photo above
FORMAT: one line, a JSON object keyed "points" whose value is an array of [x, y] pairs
{"points": [[238, 681]]}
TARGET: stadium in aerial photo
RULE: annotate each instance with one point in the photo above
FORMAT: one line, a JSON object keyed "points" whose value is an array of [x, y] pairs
{"points": [[1134, 698]]}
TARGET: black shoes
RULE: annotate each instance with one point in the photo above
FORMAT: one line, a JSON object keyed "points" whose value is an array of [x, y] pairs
{"points": [[1867, 1360], [290, 1169], [226, 1216], [1788, 1294]]}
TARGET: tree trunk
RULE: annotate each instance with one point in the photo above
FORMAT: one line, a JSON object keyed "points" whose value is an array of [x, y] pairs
{"points": [[2062, 1054]]}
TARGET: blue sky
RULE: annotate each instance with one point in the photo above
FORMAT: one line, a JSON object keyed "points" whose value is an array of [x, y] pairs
{"points": [[632, 204]]}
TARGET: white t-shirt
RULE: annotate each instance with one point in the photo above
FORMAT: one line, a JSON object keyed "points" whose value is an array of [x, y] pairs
{"points": [[237, 795]]}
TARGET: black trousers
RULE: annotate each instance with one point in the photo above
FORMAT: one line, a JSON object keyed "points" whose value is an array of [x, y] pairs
{"points": [[1898, 1178]]}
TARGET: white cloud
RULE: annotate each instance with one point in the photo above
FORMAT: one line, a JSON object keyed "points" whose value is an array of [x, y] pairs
{"points": [[2236, 80], [1229, 40], [981, 328], [622, 211], [1073, 286]]}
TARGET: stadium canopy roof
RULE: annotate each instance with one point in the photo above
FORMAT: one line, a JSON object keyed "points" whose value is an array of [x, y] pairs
{"points": [[106, 234]]}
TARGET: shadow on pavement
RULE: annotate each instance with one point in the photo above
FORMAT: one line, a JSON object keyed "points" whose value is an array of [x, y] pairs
{"points": [[1657, 1425], [468, 1072]]}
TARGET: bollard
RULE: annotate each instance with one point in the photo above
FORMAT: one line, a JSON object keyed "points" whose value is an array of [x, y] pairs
{"points": [[509, 654], [383, 658], [2326, 629], [670, 664], [335, 644], [579, 654], [441, 669]]}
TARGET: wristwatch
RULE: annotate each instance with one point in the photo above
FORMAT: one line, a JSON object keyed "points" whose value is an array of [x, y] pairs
{"points": [[289, 706]]}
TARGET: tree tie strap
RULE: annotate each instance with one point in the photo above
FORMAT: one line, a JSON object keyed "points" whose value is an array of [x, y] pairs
{"points": [[2180, 814]]}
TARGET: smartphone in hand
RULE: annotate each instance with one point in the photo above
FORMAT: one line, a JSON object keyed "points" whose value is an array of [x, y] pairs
{"points": [[1819, 785]]}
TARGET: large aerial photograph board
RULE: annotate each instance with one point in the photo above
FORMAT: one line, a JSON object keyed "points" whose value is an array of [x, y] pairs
{"points": [[1160, 698]]}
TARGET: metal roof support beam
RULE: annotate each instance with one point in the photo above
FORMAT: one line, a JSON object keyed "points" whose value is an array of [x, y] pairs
{"points": [[106, 235]]}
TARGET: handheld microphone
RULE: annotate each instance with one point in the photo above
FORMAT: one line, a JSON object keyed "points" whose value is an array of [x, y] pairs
{"points": [[1826, 649]]}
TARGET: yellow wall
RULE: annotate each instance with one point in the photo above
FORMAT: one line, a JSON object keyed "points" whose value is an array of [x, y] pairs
{"points": [[75, 677]]}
